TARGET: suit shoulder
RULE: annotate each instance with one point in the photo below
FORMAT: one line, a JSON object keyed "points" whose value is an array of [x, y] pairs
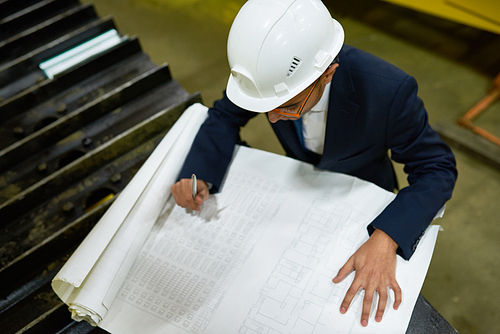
{"points": [[363, 63]]}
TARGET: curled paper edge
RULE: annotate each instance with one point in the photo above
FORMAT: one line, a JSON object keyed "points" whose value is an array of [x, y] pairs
{"points": [[80, 312]]}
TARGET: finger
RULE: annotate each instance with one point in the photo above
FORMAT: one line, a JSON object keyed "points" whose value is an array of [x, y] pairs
{"points": [[189, 200], [202, 192], [183, 196], [351, 292], [398, 295], [199, 200], [382, 302], [367, 305], [185, 193], [344, 271], [176, 194]]}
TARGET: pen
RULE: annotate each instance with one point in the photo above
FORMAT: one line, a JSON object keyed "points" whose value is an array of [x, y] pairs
{"points": [[193, 187]]}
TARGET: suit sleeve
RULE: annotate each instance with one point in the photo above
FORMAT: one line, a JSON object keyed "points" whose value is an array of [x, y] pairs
{"points": [[430, 166], [213, 146]]}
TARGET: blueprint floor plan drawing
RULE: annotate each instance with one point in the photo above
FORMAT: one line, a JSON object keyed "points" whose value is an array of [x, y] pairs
{"points": [[293, 297], [260, 257], [183, 275]]}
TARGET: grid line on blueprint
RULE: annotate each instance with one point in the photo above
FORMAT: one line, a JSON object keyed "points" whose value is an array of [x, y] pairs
{"points": [[293, 298], [181, 276]]}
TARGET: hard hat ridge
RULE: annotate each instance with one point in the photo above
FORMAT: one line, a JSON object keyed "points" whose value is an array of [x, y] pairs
{"points": [[276, 48]]}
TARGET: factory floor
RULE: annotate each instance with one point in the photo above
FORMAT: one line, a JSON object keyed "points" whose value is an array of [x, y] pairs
{"points": [[454, 66]]}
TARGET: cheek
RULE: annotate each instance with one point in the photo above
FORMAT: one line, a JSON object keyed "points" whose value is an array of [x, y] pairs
{"points": [[312, 102]]}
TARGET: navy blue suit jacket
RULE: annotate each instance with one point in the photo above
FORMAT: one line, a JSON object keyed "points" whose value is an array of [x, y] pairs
{"points": [[373, 111]]}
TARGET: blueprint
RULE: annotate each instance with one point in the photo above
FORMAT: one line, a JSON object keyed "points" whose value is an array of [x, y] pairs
{"points": [[260, 257], [89, 281]]}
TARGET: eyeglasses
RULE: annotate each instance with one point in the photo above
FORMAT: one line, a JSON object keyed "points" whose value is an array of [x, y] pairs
{"points": [[289, 111]]}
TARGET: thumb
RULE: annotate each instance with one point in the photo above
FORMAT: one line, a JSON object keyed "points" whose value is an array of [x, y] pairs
{"points": [[203, 192], [344, 271]]}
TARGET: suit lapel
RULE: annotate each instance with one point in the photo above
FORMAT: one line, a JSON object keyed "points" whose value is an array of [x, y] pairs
{"points": [[341, 113]]}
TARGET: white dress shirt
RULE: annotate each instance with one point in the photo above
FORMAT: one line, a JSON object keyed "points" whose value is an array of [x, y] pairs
{"points": [[314, 123]]}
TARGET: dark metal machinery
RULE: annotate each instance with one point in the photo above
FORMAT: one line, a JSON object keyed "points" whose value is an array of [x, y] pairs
{"points": [[69, 144]]}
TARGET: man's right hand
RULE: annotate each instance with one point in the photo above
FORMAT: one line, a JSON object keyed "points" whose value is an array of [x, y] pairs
{"points": [[182, 192]]}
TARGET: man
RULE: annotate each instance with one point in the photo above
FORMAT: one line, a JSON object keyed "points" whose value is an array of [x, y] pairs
{"points": [[338, 108]]}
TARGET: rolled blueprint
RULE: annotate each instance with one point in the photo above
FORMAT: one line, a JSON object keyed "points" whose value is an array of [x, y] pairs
{"points": [[90, 279]]}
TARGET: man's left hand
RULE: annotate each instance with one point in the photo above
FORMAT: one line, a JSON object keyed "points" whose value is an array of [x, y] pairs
{"points": [[375, 266]]}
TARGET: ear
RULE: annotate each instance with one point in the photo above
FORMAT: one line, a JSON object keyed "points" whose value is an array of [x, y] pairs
{"points": [[328, 74]]}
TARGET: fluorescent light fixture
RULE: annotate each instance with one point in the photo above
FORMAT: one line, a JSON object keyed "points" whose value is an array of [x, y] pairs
{"points": [[76, 55]]}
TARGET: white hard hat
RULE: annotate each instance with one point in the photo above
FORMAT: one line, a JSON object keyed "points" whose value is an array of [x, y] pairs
{"points": [[276, 48]]}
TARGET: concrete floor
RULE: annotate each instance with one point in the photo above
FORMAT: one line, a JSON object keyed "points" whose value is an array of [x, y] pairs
{"points": [[454, 66]]}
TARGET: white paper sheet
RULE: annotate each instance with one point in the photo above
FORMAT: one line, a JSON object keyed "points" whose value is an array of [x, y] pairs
{"points": [[260, 257], [89, 281]]}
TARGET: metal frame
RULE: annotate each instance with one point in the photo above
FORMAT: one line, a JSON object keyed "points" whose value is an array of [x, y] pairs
{"points": [[466, 121]]}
